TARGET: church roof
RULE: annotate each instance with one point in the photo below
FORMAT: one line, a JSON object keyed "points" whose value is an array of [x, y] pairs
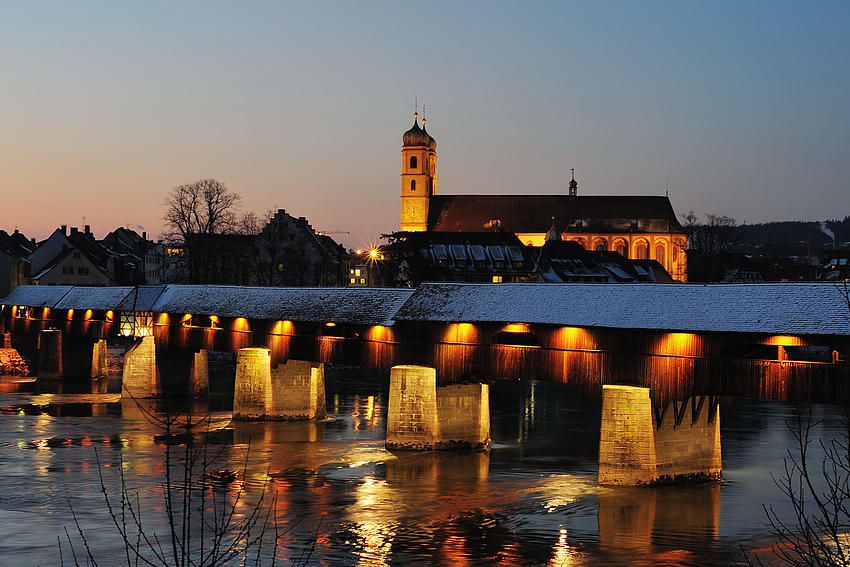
{"points": [[533, 213], [417, 136]]}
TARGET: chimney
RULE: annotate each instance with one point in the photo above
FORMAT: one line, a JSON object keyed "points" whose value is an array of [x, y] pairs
{"points": [[144, 235], [64, 230], [87, 229], [74, 230]]}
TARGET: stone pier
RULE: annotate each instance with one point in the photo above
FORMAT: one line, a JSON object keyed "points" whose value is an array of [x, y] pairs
{"points": [[422, 416], [291, 391], [50, 354], [99, 360], [140, 378], [639, 446], [199, 376]]}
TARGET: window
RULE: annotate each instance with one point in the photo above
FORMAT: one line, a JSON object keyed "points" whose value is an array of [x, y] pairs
{"points": [[642, 251], [600, 247], [412, 162], [357, 272], [659, 254], [623, 249], [68, 271], [82, 271], [413, 185], [497, 279], [77, 255], [352, 280]]}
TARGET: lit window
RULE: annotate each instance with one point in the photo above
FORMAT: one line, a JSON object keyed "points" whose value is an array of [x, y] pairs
{"points": [[353, 280], [357, 272], [659, 254], [363, 280], [497, 279]]}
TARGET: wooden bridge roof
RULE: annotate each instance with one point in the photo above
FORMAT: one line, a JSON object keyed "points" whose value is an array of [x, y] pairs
{"points": [[782, 308], [359, 306]]}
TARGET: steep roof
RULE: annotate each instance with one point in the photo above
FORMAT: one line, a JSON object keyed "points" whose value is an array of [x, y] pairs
{"points": [[533, 213], [804, 308], [363, 306]]}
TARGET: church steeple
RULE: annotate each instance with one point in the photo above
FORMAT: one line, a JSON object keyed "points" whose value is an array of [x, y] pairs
{"points": [[573, 185], [418, 176]]}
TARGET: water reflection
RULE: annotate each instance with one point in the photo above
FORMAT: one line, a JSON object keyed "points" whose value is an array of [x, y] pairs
{"points": [[656, 521], [531, 500]]}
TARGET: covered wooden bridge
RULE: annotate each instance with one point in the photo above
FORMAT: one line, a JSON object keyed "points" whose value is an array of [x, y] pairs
{"points": [[779, 341]]}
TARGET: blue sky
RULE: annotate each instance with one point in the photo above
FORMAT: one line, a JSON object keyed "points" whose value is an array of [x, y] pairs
{"points": [[739, 108]]}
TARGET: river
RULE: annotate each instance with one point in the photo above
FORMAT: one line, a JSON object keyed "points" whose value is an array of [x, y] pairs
{"points": [[532, 499]]}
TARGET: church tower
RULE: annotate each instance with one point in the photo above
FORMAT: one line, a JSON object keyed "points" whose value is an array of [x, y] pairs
{"points": [[418, 176]]}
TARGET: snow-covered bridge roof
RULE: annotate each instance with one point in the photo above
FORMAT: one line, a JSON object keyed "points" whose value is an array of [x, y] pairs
{"points": [[362, 306], [782, 308]]}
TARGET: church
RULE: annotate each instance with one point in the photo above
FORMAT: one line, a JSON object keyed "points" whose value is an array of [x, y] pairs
{"points": [[638, 227]]}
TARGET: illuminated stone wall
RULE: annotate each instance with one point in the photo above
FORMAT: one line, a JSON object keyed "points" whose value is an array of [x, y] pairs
{"points": [[634, 450], [291, 391], [422, 416], [141, 379]]}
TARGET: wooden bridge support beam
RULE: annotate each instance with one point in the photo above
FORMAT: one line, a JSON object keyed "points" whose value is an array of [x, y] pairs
{"points": [[50, 354], [141, 379], [292, 391], [638, 446], [422, 416]]}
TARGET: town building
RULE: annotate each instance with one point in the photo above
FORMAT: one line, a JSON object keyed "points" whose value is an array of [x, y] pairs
{"points": [[638, 227]]}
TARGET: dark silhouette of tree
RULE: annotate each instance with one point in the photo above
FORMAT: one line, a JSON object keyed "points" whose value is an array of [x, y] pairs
{"points": [[196, 216], [709, 244]]}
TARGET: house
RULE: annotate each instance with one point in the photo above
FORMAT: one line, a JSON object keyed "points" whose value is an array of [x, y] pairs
{"points": [[637, 227], [415, 257], [72, 266], [15, 267]]}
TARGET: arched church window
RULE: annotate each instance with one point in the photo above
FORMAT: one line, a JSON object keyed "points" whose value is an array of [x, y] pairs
{"points": [[413, 185], [659, 254], [622, 248], [641, 251], [412, 162], [600, 246]]}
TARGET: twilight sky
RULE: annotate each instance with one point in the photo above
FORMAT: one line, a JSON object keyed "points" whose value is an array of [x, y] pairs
{"points": [[740, 108]]}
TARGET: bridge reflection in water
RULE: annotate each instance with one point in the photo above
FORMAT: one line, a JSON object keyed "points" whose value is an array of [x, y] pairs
{"points": [[532, 499]]}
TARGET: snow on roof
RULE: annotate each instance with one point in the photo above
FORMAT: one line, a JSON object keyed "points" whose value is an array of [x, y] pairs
{"points": [[102, 298], [364, 306], [143, 298], [798, 308], [36, 295]]}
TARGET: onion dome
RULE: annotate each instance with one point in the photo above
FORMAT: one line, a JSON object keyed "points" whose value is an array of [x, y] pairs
{"points": [[417, 136]]}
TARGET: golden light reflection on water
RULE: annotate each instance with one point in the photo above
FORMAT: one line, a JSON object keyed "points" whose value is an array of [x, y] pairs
{"points": [[374, 533]]}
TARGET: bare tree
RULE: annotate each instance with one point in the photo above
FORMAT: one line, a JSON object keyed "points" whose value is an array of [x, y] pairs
{"points": [[819, 493], [196, 216], [708, 243]]}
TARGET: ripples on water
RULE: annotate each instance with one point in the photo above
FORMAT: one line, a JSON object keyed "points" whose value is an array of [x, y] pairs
{"points": [[531, 500]]}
